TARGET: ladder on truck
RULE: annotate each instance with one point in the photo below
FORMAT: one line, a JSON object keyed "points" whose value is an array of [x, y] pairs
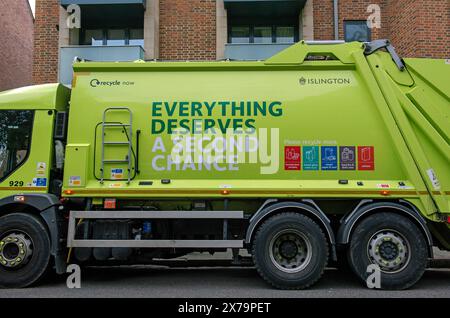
{"points": [[127, 128]]}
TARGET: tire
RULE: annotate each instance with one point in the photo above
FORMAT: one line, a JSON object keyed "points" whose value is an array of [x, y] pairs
{"points": [[307, 237], [390, 238], [37, 250]]}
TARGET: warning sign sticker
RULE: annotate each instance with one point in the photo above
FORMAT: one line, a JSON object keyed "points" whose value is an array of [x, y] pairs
{"points": [[366, 158], [116, 173], [40, 168], [310, 158], [329, 157], [292, 157], [74, 181], [116, 185], [40, 182], [347, 158]]}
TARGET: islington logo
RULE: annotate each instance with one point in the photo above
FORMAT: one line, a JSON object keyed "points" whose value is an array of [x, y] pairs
{"points": [[324, 81]]}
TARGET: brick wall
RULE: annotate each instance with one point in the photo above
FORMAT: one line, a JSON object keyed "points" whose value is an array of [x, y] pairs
{"points": [[187, 29], [416, 28], [16, 38], [323, 20], [357, 10], [420, 28], [403, 17], [348, 10], [45, 68], [434, 29]]}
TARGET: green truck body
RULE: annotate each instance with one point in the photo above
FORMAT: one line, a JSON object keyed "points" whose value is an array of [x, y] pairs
{"points": [[337, 134]]}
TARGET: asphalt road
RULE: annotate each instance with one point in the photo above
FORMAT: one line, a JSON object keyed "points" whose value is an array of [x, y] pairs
{"points": [[151, 281]]}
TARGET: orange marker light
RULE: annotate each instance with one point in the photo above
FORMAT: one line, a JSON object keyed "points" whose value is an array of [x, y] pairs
{"points": [[225, 192], [68, 192], [385, 192], [19, 198]]}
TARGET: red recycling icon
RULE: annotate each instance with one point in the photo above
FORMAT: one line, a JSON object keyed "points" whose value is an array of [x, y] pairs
{"points": [[366, 158], [292, 156]]}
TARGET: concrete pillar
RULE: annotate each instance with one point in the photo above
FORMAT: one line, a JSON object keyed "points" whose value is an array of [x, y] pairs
{"points": [[222, 29], [64, 31], [151, 30], [307, 21], [67, 36]]}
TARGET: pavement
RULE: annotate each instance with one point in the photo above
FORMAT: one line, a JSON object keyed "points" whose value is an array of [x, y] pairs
{"points": [[219, 282]]}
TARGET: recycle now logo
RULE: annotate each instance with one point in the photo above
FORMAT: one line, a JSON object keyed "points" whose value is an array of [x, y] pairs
{"points": [[96, 83]]}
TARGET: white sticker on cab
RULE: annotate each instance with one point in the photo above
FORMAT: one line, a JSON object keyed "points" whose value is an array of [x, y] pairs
{"points": [[434, 180]]}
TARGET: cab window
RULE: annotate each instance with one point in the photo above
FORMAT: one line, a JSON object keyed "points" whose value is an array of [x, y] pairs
{"points": [[15, 139]]}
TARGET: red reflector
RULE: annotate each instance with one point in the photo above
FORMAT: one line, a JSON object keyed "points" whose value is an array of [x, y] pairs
{"points": [[448, 219], [109, 203]]}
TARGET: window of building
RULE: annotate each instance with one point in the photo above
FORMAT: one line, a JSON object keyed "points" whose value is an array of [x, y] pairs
{"points": [[285, 34], [116, 37], [15, 137], [136, 37], [356, 31], [240, 34], [262, 34], [93, 37], [112, 37]]}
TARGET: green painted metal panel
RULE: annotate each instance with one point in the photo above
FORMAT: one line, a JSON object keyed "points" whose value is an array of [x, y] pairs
{"points": [[46, 96], [330, 113], [336, 102]]}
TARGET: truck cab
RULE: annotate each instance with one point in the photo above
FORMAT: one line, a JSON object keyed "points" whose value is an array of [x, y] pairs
{"points": [[32, 125], [28, 115]]}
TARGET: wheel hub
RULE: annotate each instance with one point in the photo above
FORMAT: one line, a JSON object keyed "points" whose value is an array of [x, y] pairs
{"points": [[290, 251], [15, 250], [389, 250]]}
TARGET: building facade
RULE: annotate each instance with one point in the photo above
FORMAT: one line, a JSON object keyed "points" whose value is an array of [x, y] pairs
{"points": [[16, 49], [121, 30]]}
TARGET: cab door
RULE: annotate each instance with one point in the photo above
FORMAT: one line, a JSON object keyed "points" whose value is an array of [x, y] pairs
{"points": [[25, 151]]}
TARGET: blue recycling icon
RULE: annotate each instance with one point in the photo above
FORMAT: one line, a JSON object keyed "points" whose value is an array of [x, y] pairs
{"points": [[329, 157]]}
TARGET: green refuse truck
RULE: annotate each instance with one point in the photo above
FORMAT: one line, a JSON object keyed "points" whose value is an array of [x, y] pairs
{"points": [[322, 154]]}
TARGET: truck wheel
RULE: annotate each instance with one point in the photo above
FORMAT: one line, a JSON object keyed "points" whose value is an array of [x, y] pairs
{"points": [[24, 250], [392, 242], [290, 251]]}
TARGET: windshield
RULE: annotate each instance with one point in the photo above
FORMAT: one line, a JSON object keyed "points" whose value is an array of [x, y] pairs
{"points": [[15, 137]]}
